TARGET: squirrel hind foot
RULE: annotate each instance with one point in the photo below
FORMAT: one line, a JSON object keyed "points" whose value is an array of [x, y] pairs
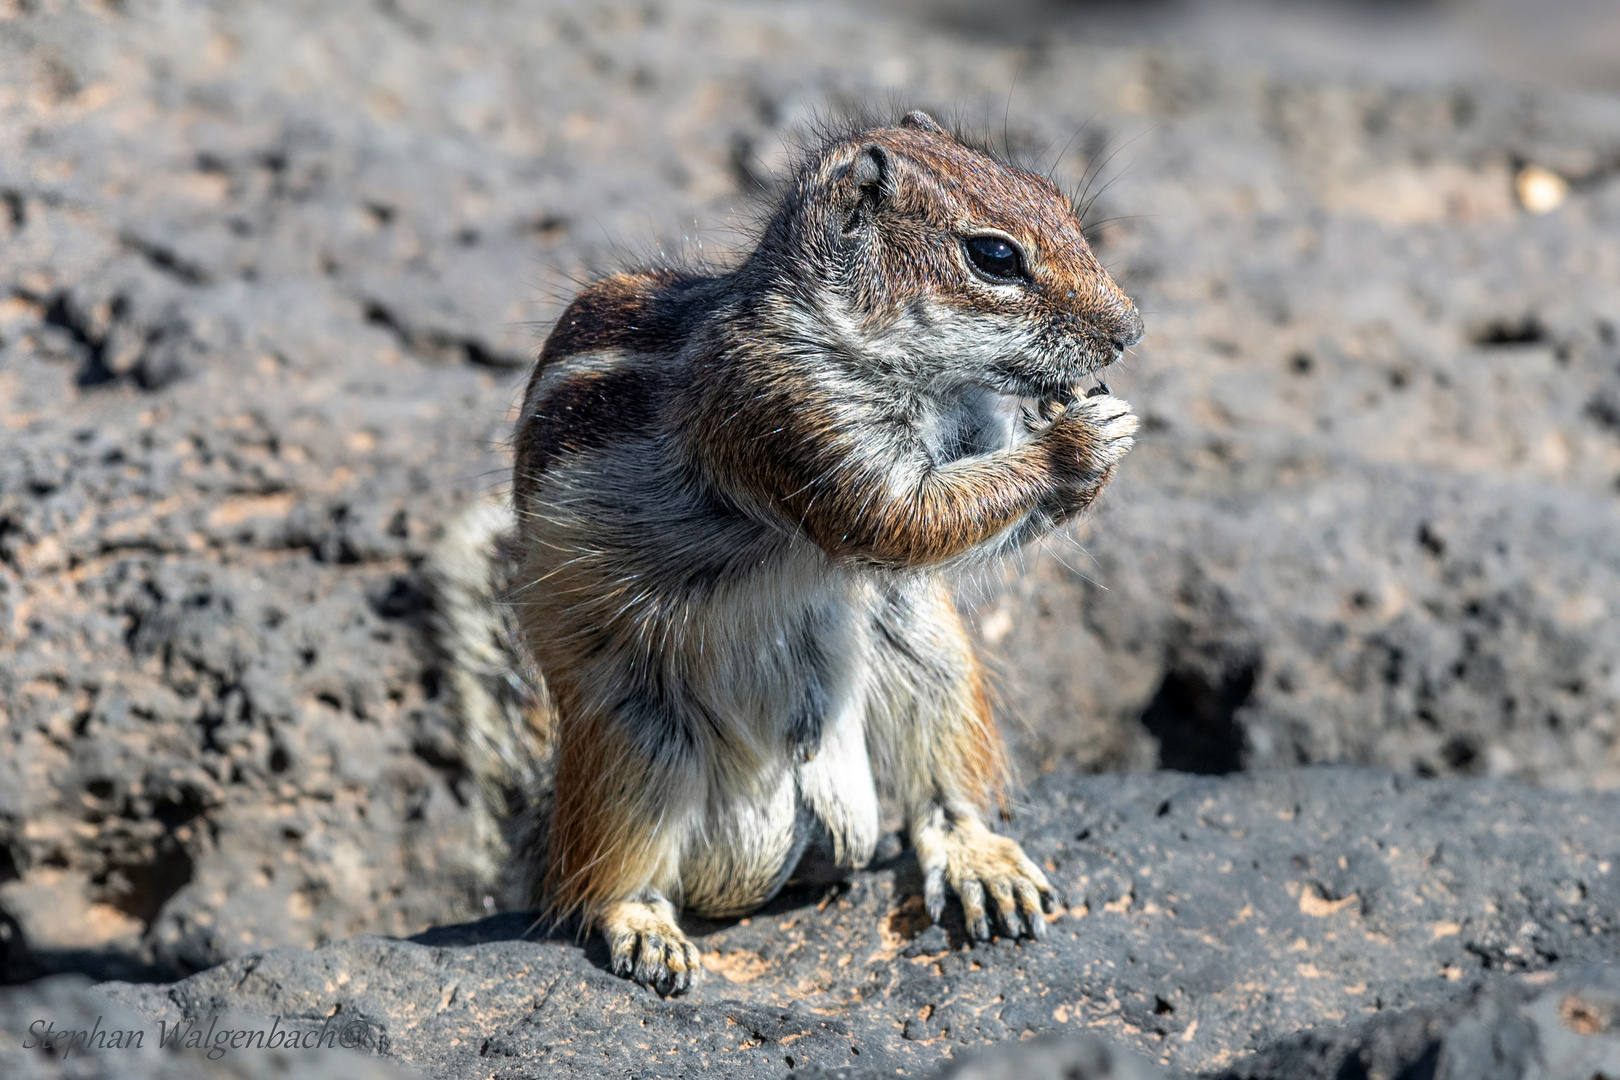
{"points": [[645, 943], [977, 865]]}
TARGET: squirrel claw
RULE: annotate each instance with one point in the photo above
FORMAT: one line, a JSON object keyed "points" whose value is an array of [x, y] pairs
{"points": [[646, 945], [934, 893], [1054, 899], [974, 863]]}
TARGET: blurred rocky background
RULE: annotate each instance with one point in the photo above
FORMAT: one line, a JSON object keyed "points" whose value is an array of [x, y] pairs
{"points": [[270, 274]]}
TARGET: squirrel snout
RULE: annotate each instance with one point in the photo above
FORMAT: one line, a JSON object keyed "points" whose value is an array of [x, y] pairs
{"points": [[1125, 329], [1107, 314]]}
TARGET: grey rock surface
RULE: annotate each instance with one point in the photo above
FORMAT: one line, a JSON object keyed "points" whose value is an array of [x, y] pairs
{"points": [[269, 274], [1546, 1025], [1563, 1024], [1072, 1058], [1208, 919]]}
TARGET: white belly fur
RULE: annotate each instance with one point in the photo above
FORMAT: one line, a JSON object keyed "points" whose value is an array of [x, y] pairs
{"points": [[742, 852]]}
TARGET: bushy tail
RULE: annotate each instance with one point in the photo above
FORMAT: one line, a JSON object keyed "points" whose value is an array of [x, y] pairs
{"points": [[503, 714]]}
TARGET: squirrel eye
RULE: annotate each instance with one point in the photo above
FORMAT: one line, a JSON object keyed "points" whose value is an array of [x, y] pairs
{"points": [[995, 257]]}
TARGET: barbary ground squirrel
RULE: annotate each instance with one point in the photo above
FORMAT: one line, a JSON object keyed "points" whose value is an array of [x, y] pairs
{"points": [[736, 501]]}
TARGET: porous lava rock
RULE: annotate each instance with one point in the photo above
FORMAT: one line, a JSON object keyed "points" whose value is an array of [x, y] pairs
{"points": [[1209, 921], [269, 278]]}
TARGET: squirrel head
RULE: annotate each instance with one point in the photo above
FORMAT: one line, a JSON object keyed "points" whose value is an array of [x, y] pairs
{"points": [[907, 248]]}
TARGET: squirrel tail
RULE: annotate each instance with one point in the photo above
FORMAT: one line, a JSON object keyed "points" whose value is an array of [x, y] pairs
{"points": [[503, 715]]}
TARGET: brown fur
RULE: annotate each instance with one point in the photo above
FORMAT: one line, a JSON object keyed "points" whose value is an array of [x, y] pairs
{"points": [[587, 411], [597, 854]]}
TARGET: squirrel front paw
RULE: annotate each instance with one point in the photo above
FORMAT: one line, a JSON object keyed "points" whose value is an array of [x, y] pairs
{"points": [[973, 861], [646, 944], [1086, 439], [1103, 426]]}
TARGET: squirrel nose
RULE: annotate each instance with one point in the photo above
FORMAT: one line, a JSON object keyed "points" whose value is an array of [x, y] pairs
{"points": [[1127, 329]]}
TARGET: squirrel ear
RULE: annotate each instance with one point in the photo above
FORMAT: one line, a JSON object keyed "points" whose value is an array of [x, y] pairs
{"points": [[921, 121], [867, 184]]}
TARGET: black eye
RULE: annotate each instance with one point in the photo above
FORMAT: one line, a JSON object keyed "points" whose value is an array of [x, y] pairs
{"points": [[995, 258]]}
